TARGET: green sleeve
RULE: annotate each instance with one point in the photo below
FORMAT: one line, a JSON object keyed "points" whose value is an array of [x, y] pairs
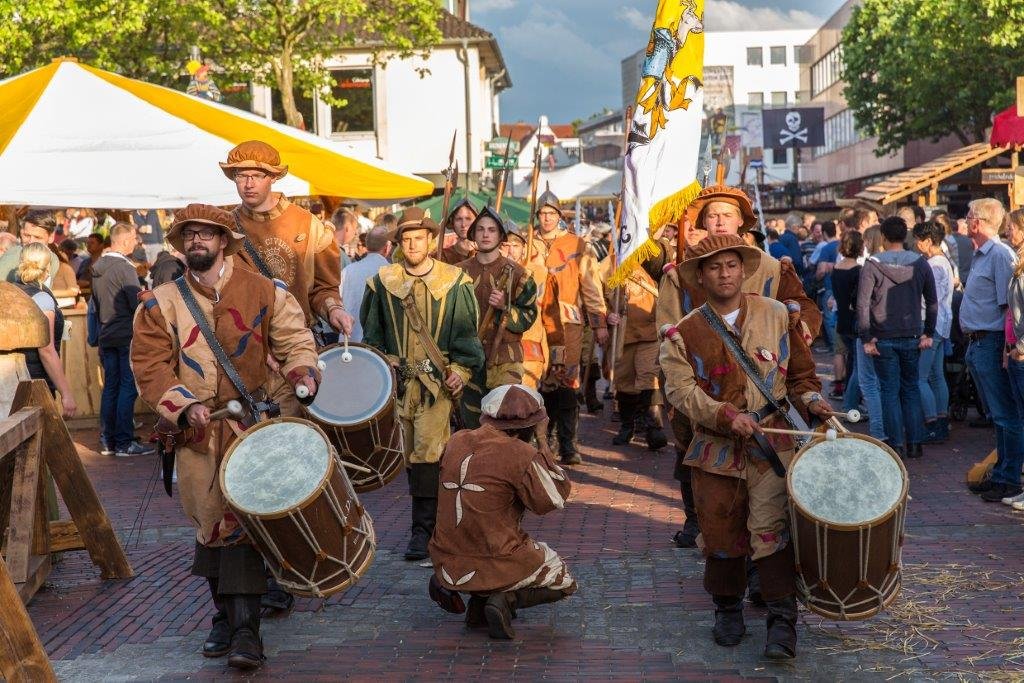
{"points": [[371, 317], [523, 311], [464, 347]]}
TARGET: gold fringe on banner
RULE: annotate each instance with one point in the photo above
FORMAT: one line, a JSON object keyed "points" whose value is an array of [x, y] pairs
{"points": [[668, 210]]}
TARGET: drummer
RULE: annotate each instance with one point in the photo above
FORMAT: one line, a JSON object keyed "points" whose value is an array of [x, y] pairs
{"points": [[490, 476], [507, 297], [180, 379], [740, 500]]}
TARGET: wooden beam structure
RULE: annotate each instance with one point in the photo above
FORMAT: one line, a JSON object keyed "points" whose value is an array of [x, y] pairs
{"points": [[928, 176]]}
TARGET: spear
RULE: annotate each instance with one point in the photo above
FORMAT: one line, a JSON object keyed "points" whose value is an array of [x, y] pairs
{"points": [[533, 203], [451, 177], [503, 176]]}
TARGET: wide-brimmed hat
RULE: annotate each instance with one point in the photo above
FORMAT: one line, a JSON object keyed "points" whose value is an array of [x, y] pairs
{"points": [[488, 212], [205, 214], [254, 155], [728, 195], [708, 247], [415, 218], [512, 406]]}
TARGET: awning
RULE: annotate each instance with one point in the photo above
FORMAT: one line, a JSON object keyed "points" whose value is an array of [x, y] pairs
{"points": [[928, 176], [73, 135], [516, 209], [1007, 129]]}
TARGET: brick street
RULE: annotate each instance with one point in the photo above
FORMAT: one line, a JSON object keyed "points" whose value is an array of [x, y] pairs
{"points": [[641, 612]]}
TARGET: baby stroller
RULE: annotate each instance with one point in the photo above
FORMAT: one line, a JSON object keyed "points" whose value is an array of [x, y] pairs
{"points": [[963, 393]]}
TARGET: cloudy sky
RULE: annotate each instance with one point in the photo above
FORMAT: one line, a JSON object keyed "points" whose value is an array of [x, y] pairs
{"points": [[564, 55]]}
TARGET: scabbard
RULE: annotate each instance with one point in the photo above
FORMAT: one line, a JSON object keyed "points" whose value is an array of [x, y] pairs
{"points": [[167, 464]]}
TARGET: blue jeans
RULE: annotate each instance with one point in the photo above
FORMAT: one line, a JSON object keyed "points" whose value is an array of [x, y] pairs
{"points": [[828, 320], [985, 359], [931, 380], [896, 367], [852, 394], [117, 404], [866, 385]]}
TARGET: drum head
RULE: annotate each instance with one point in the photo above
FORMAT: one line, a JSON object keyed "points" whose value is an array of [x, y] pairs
{"points": [[275, 467], [351, 392], [848, 481]]}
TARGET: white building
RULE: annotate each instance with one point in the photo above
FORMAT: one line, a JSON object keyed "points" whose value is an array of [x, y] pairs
{"points": [[405, 111], [745, 72]]}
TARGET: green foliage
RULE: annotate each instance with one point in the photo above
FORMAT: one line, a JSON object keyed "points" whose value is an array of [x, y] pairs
{"points": [[282, 43], [925, 69]]}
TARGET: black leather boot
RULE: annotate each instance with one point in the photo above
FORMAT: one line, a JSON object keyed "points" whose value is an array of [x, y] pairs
{"points": [[424, 514], [475, 617], [590, 390], [219, 641], [687, 536], [754, 585], [568, 419], [531, 597], [276, 602], [244, 616], [498, 612], [781, 640], [729, 627], [653, 426], [627, 413]]}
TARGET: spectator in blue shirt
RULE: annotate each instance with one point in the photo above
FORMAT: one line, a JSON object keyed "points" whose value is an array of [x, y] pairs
{"points": [[788, 244]]}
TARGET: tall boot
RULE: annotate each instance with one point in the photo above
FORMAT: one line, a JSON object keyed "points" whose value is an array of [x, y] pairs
{"points": [[244, 618], [551, 407], [754, 584], [498, 612], [687, 537], [218, 643], [568, 419], [653, 425], [627, 413], [590, 390], [781, 639], [729, 628], [531, 597], [276, 602], [423, 483]]}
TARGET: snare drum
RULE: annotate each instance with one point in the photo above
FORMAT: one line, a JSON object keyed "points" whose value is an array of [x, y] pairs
{"points": [[848, 505], [287, 486], [356, 407]]}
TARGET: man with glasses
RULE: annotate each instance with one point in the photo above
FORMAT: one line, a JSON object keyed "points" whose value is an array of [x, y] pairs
{"points": [[574, 289]]}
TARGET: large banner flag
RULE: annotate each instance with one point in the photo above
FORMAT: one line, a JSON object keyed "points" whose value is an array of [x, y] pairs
{"points": [[660, 178]]}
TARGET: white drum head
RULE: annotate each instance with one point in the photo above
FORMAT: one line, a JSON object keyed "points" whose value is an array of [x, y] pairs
{"points": [[275, 467], [351, 392], [847, 481]]}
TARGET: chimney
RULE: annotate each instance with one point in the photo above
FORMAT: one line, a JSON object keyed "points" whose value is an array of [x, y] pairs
{"points": [[459, 8]]}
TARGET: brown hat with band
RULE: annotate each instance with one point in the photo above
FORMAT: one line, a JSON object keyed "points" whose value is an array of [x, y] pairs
{"points": [[512, 406], [726, 195], [254, 155], [415, 218], [204, 214], [708, 247]]}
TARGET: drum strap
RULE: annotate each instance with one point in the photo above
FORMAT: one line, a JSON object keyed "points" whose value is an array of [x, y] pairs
{"points": [[250, 250], [255, 407], [783, 407]]}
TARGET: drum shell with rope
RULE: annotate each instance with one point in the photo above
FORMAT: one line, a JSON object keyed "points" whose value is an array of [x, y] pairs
{"points": [[287, 486], [356, 406], [848, 504]]}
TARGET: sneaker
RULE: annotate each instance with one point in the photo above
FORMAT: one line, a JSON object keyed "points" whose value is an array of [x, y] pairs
{"points": [[1010, 500], [1018, 505], [105, 448], [133, 449], [1000, 491]]}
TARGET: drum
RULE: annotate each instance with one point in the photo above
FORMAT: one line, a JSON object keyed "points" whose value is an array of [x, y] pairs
{"points": [[356, 408], [848, 504], [287, 486]]}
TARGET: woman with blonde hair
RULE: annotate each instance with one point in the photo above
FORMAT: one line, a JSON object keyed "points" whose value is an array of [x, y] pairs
{"points": [[44, 363]]}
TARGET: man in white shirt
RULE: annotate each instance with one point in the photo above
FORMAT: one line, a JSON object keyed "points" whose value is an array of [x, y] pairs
{"points": [[355, 275]]}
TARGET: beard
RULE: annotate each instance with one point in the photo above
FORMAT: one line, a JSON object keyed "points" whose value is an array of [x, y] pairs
{"points": [[200, 261]]}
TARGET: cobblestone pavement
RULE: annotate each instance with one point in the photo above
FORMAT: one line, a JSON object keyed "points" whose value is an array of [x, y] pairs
{"points": [[641, 612]]}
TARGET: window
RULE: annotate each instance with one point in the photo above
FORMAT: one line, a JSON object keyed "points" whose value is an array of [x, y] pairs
{"points": [[355, 86], [777, 54], [780, 156], [803, 54], [779, 98], [755, 99], [305, 105], [827, 71], [840, 131], [755, 56], [800, 96]]}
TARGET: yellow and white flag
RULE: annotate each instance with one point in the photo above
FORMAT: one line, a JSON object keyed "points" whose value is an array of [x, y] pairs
{"points": [[660, 171]]}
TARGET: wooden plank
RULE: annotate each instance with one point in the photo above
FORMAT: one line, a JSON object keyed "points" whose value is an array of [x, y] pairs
{"points": [[1020, 96], [23, 509], [64, 536], [22, 657], [902, 184], [38, 569], [40, 525], [17, 429], [74, 485]]}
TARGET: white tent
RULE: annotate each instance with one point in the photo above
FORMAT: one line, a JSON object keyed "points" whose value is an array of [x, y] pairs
{"points": [[580, 180], [73, 135]]}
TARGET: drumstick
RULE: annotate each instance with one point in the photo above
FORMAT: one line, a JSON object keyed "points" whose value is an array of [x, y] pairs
{"points": [[357, 468], [850, 416], [232, 409], [830, 435]]}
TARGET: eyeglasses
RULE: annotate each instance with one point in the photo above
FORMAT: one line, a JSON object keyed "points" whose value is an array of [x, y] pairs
{"points": [[244, 178], [205, 234]]}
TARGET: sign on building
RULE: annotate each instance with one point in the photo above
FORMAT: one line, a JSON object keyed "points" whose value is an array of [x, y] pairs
{"points": [[498, 146], [751, 129], [803, 127], [497, 161]]}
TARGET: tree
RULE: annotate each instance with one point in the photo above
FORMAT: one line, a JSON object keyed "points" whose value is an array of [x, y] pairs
{"points": [[925, 69], [281, 43]]}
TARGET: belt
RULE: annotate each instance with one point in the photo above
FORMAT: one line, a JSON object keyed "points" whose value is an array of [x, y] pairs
{"points": [[980, 334]]}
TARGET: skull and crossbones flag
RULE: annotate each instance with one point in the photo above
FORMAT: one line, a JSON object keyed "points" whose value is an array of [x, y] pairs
{"points": [[664, 142], [803, 127]]}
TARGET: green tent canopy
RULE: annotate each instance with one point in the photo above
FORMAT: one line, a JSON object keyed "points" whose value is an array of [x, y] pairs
{"points": [[516, 209]]}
